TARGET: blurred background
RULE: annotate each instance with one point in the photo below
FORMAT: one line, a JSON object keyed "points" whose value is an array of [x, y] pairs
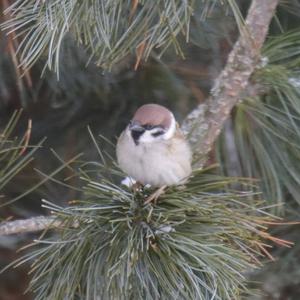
{"points": [[85, 95]]}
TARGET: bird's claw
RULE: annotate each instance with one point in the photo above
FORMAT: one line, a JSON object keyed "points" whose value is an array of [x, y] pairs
{"points": [[155, 195]]}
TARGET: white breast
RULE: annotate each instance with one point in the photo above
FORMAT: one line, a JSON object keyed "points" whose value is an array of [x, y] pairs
{"points": [[159, 163]]}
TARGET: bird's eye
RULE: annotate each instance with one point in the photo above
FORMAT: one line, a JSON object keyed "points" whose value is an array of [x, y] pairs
{"points": [[148, 126], [157, 133]]}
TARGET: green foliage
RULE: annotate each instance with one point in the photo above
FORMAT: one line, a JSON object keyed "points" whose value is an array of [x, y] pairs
{"points": [[266, 128], [195, 243], [108, 30], [292, 6], [15, 155]]}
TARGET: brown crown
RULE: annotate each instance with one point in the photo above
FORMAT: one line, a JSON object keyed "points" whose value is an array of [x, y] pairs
{"points": [[153, 114]]}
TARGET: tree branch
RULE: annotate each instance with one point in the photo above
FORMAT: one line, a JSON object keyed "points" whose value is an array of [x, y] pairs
{"points": [[29, 225], [204, 124]]}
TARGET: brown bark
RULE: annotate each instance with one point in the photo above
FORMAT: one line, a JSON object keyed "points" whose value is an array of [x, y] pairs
{"points": [[204, 124], [29, 225]]}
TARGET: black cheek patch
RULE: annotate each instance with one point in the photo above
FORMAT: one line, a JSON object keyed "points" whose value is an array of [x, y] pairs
{"points": [[136, 135]]}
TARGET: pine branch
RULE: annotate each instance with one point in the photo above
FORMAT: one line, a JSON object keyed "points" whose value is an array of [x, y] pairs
{"points": [[204, 124], [201, 238], [29, 225], [114, 29]]}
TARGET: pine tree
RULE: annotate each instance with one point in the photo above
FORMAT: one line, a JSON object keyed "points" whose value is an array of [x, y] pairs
{"points": [[200, 240]]}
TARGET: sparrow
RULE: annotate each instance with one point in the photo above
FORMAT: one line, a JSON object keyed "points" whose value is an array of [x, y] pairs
{"points": [[152, 149]]}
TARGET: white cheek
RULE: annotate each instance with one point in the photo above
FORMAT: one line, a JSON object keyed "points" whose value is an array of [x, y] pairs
{"points": [[128, 132], [171, 130], [146, 137]]}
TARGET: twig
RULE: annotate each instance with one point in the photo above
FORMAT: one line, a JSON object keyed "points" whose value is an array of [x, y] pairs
{"points": [[204, 124], [29, 225], [13, 44], [27, 137], [139, 54], [134, 5]]}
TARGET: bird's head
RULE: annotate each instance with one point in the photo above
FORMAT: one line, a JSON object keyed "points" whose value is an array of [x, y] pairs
{"points": [[151, 123]]}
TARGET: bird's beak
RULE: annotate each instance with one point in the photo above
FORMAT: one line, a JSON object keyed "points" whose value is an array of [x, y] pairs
{"points": [[136, 131], [135, 126]]}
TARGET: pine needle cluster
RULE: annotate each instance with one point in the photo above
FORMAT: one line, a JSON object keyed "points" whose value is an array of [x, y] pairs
{"points": [[15, 155], [197, 242], [266, 127], [109, 30]]}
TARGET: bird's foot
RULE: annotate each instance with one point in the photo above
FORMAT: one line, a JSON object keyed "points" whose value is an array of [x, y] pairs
{"points": [[137, 187], [155, 195]]}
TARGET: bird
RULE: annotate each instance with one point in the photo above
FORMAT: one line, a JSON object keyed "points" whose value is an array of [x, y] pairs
{"points": [[152, 149]]}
